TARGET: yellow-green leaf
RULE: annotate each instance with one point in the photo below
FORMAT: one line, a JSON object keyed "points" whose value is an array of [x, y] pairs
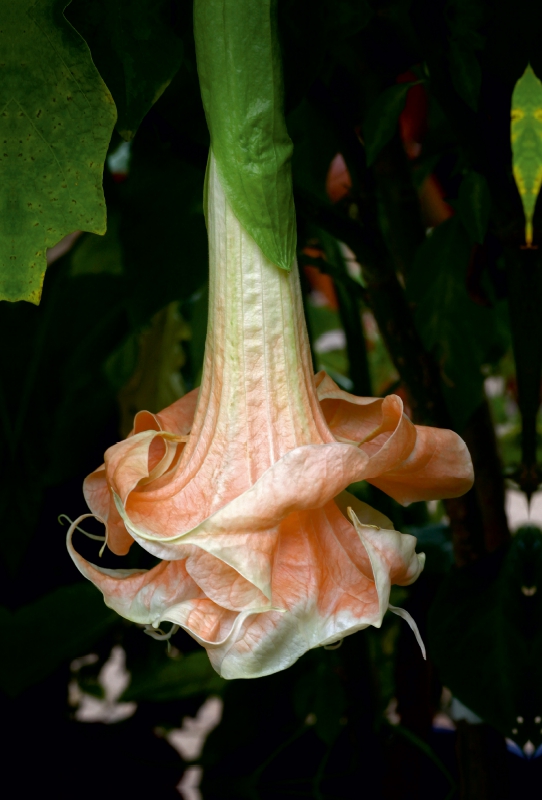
{"points": [[526, 137], [56, 120]]}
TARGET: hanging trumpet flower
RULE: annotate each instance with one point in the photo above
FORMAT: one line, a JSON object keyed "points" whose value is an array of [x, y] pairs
{"points": [[239, 487]]}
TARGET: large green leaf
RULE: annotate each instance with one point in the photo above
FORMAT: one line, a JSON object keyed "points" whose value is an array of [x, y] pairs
{"points": [[136, 48], [56, 122], [40, 636], [241, 83], [462, 335], [485, 640]]}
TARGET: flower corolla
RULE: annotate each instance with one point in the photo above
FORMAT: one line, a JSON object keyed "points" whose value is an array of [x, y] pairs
{"points": [[240, 487]]}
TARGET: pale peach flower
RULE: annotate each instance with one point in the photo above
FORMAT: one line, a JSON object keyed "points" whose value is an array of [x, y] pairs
{"points": [[239, 487]]}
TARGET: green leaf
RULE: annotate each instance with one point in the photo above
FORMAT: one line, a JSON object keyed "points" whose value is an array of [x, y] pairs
{"points": [[475, 205], [466, 73], [241, 83], [56, 122], [484, 639], [40, 636], [174, 679], [136, 49], [382, 119], [526, 129], [461, 334]]}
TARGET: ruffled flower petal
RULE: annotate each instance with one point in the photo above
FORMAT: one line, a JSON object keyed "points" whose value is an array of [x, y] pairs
{"points": [[243, 533], [408, 462], [330, 577], [240, 487]]}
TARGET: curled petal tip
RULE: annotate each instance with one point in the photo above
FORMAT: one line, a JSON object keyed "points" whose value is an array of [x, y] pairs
{"points": [[401, 612]]}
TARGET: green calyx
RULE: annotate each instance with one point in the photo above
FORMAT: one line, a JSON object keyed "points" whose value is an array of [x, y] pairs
{"points": [[240, 75]]}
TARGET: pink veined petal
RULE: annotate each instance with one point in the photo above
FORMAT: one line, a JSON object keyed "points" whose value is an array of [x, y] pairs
{"points": [[396, 551], [439, 466], [102, 504], [97, 492], [145, 455], [327, 583], [222, 584], [165, 593], [365, 513], [129, 464], [243, 533], [408, 462], [138, 595], [330, 583], [178, 417]]}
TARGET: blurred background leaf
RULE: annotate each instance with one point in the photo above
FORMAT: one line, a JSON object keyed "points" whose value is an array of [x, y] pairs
{"points": [[485, 640], [174, 678], [383, 118], [463, 335], [475, 205], [137, 48], [61, 625]]}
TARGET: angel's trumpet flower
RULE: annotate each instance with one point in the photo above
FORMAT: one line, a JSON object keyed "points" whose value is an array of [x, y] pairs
{"points": [[240, 487]]}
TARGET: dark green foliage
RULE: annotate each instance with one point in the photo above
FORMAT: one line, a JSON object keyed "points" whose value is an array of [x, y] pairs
{"points": [[475, 205], [485, 637], [137, 47], [312, 154], [63, 624], [462, 334], [465, 20], [382, 119], [162, 228], [55, 398], [162, 679], [319, 699]]}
